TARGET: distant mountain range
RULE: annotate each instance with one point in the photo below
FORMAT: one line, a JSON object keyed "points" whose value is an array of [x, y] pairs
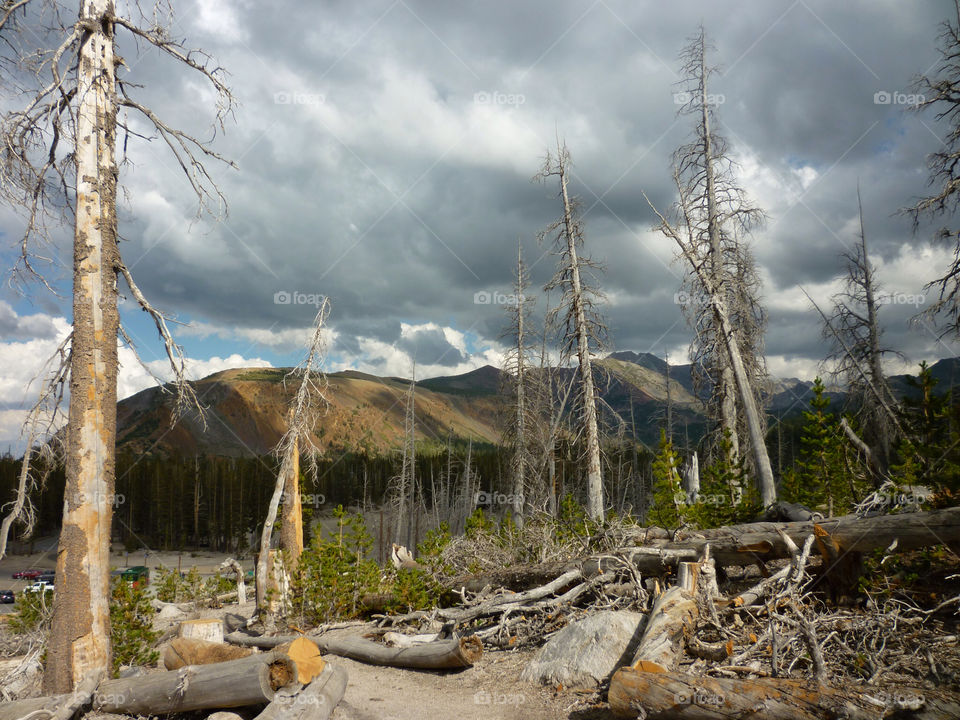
{"points": [[246, 407]]}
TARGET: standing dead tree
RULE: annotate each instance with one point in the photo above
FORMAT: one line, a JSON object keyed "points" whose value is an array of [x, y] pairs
{"points": [[58, 165], [855, 319], [941, 93], [304, 411], [711, 222], [519, 378], [582, 330], [402, 493]]}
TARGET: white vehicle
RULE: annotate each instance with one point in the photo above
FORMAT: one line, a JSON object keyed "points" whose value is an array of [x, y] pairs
{"points": [[39, 586]]}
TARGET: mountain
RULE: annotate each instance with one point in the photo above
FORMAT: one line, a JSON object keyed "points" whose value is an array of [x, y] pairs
{"points": [[246, 407]]}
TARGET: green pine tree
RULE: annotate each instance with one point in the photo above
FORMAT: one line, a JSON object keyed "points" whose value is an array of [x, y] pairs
{"points": [[824, 475], [669, 502], [929, 455]]}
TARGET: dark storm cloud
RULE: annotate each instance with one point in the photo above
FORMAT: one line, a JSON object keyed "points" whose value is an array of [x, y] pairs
{"points": [[430, 347], [385, 152]]}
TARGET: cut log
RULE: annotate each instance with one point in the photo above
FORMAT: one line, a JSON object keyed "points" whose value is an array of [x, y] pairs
{"points": [[453, 653], [735, 545], [314, 702], [192, 651], [306, 655], [655, 695], [662, 696], [253, 680], [210, 630], [671, 619]]}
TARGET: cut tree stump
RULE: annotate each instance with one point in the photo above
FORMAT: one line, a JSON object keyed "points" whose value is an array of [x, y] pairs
{"points": [[315, 702], [450, 654], [210, 630], [306, 655], [192, 651]]}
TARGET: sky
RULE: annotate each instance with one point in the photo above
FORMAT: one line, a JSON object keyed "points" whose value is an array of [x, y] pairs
{"points": [[384, 153]]}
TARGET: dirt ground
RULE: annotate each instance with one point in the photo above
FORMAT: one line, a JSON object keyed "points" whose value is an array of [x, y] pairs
{"points": [[490, 690]]}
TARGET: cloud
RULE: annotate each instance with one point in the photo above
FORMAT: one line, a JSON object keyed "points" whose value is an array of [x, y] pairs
{"points": [[384, 160]]}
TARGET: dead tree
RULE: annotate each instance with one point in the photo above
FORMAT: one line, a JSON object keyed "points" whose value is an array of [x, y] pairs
{"points": [[403, 492], [940, 92], [711, 221], [517, 368], [58, 165], [582, 329], [304, 412], [855, 319]]}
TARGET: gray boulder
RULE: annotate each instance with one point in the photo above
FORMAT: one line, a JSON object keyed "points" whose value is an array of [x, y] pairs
{"points": [[586, 653]]}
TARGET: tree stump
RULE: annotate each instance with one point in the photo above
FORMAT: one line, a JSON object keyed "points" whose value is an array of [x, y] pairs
{"points": [[210, 630]]}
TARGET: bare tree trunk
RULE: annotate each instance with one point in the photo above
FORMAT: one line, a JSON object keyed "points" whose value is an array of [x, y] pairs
{"points": [[291, 527], [728, 405], [79, 642], [594, 478], [768, 487]]}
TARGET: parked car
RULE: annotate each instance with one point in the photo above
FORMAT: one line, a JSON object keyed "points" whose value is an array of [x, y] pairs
{"points": [[27, 574], [6, 596], [39, 586], [47, 576]]}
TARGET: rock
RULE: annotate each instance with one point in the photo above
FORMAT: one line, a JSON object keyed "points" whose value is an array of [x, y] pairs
{"points": [[223, 715], [586, 653], [170, 612]]}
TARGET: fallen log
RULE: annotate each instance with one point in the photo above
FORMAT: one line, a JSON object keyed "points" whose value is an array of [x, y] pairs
{"points": [[753, 543], [315, 702], [236, 683], [254, 680], [671, 619], [449, 654], [655, 695], [663, 696]]}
